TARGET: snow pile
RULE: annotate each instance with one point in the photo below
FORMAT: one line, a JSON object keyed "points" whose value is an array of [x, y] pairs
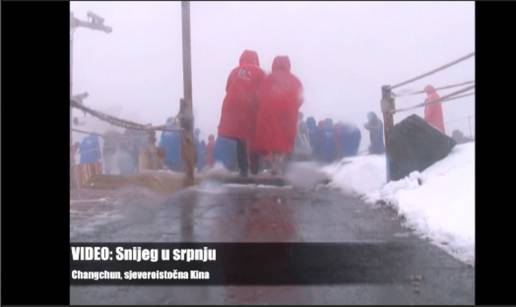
{"points": [[438, 203], [218, 170], [358, 175]]}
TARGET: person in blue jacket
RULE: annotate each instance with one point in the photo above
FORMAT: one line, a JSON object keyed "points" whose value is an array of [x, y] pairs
{"points": [[90, 155], [170, 141], [225, 152], [349, 141], [89, 149], [327, 143]]}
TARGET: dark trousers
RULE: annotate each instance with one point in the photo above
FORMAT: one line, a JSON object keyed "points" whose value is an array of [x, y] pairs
{"points": [[243, 164], [254, 159]]}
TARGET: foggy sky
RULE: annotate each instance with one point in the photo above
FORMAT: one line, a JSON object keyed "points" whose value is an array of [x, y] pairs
{"points": [[342, 52]]}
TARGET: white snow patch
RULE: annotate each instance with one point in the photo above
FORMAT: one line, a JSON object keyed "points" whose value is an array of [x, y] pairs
{"points": [[358, 175], [441, 208], [218, 170]]}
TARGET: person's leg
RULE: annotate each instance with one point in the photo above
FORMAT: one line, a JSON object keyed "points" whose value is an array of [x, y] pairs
{"points": [[255, 162], [242, 157], [274, 164]]}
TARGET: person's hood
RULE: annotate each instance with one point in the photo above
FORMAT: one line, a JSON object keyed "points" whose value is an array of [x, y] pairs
{"points": [[429, 89], [249, 57], [371, 116], [328, 123], [281, 63]]}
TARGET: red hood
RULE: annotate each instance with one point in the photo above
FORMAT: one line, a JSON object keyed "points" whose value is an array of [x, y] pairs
{"points": [[429, 89], [281, 63], [249, 57]]}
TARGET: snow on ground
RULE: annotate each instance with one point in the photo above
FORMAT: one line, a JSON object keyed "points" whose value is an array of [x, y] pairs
{"points": [[438, 203]]}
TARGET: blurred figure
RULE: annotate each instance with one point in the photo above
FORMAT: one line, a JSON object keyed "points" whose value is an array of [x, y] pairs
{"points": [[135, 140], [225, 152], [110, 148], [327, 144], [75, 169], [89, 150], [459, 137], [239, 108], [170, 141], [209, 160], [312, 134], [199, 152], [149, 158], [280, 97], [375, 127], [302, 148], [348, 140], [433, 110]]}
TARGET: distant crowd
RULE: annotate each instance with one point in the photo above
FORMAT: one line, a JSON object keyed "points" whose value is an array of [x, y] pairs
{"points": [[260, 129]]}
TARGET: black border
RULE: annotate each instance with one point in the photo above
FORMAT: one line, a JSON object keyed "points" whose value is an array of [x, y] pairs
{"points": [[495, 213], [35, 137]]}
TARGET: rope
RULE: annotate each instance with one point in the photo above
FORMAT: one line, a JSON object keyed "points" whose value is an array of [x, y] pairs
{"points": [[460, 96], [87, 132], [460, 119], [434, 71], [115, 121], [440, 100], [437, 89]]}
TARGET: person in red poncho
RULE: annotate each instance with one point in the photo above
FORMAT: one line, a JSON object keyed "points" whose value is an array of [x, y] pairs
{"points": [[239, 108], [433, 111], [280, 96]]}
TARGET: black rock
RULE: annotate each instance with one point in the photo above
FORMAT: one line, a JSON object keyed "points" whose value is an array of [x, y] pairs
{"points": [[415, 145]]}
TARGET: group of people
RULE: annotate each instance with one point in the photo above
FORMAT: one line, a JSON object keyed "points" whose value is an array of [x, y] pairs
{"points": [[260, 127], [260, 112], [112, 153], [332, 142]]}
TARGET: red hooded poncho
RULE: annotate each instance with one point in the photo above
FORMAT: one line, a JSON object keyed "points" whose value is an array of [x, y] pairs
{"points": [[240, 104], [280, 97], [433, 111]]}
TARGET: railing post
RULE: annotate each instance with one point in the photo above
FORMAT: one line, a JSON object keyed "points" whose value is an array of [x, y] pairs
{"points": [[186, 108], [387, 106]]}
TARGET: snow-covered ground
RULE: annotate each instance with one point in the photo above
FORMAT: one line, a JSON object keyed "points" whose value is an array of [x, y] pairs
{"points": [[438, 203]]}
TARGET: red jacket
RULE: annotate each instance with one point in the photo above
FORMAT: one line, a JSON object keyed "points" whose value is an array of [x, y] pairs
{"points": [[434, 111], [240, 104], [280, 97]]}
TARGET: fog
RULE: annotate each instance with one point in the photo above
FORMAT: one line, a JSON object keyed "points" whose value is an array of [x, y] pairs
{"points": [[342, 52]]}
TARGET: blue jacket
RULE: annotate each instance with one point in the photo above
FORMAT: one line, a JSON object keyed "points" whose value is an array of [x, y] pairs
{"points": [[171, 142], [89, 149], [327, 144], [349, 141], [375, 127], [225, 152]]}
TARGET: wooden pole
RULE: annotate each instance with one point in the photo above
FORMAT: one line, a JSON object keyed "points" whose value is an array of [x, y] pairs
{"points": [[73, 183], [186, 109], [387, 105]]}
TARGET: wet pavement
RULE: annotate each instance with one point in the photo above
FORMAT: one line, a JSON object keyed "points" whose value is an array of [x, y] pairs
{"points": [[215, 212]]}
